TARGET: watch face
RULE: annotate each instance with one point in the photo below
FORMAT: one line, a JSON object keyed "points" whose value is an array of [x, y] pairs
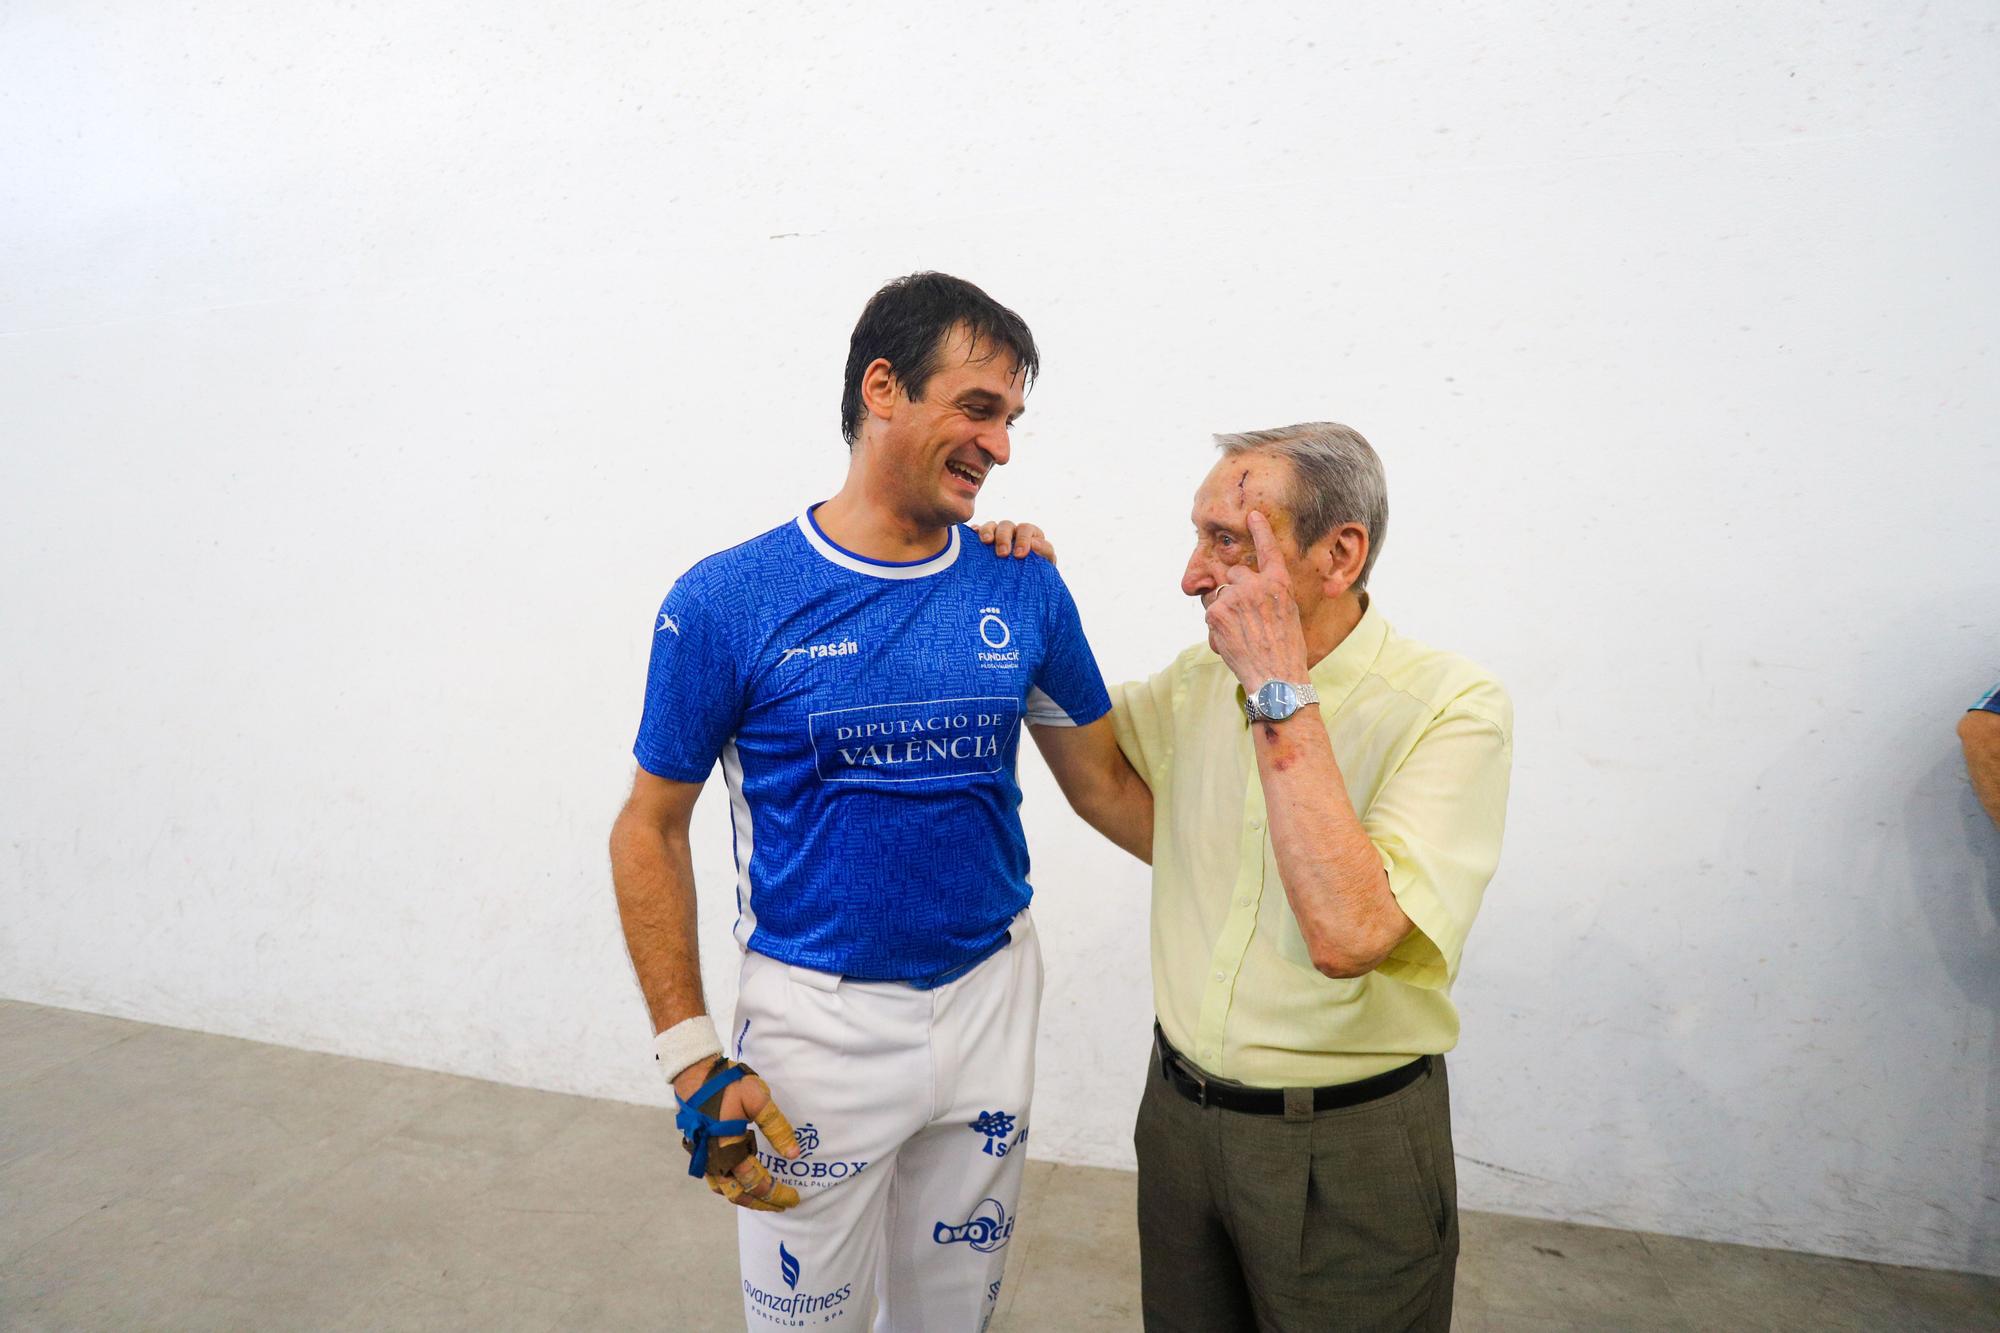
{"points": [[1277, 700]]}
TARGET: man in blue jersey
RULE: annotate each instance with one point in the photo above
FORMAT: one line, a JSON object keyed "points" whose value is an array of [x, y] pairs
{"points": [[863, 674]]}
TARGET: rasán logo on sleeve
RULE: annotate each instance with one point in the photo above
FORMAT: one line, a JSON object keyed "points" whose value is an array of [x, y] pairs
{"points": [[914, 742], [835, 648]]}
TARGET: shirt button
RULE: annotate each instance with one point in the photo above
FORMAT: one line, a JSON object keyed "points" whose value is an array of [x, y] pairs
{"points": [[1256, 824], [1242, 902], [1221, 977]]}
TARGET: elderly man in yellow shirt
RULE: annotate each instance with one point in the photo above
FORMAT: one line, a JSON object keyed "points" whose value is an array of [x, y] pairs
{"points": [[1327, 806]]}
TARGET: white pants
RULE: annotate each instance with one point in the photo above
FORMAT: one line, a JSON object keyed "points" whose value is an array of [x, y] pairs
{"points": [[911, 1107]]}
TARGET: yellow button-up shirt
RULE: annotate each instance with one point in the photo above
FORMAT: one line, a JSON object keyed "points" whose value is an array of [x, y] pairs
{"points": [[1424, 740]]}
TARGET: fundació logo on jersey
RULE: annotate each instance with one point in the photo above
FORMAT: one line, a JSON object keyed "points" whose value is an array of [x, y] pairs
{"points": [[913, 742]]}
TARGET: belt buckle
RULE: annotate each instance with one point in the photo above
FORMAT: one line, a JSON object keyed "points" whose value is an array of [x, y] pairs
{"points": [[1200, 1085], [1171, 1063]]}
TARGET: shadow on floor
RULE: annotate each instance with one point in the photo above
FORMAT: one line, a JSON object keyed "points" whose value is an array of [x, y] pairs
{"points": [[156, 1178]]}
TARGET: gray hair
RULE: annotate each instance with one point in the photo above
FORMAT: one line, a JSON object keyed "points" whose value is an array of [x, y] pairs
{"points": [[1336, 478]]}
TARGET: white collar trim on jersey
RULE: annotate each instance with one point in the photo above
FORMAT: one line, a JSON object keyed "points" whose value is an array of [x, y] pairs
{"points": [[881, 569]]}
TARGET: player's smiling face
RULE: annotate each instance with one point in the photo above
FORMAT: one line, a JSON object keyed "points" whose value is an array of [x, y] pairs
{"points": [[937, 453]]}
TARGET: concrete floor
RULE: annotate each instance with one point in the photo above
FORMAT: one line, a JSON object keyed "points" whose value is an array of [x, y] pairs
{"points": [[156, 1178]]}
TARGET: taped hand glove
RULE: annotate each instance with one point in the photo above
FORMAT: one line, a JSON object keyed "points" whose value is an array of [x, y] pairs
{"points": [[715, 1121]]}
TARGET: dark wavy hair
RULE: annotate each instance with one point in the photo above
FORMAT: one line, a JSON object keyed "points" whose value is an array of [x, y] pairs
{"points": [[907, 323]]}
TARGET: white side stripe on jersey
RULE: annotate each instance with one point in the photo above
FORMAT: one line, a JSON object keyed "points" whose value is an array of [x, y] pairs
{"points": [[746, 843], [1043, 711]]}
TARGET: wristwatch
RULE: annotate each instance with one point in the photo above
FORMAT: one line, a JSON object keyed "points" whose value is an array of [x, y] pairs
{"points": [[1276, 700]]}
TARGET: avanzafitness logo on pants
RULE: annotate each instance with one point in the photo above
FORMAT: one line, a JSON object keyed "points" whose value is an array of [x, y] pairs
{"points": [[795, 1308]]}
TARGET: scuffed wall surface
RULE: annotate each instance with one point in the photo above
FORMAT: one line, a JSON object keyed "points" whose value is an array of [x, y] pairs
{"points": [[368, 373]]}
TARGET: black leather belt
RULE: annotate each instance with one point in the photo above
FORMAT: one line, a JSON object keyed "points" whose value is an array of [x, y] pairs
{"points": [[1202, 1090]]}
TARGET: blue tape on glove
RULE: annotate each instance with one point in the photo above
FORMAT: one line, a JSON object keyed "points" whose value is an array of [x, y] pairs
{"points": [[698, 1127]]}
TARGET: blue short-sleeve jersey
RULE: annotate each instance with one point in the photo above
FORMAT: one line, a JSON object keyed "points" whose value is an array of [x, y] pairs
{"points": [[1989, 702], [867, 717]]}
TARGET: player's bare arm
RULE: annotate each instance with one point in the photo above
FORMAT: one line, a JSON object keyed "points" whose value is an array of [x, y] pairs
{"points": [[652, 871], [1099, 783]]}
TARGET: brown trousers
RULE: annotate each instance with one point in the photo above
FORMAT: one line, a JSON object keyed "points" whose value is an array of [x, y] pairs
{"points": [[1344, 1219]]}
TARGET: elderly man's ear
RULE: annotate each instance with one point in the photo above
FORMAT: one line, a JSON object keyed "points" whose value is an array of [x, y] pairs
{"points": [[1339, 556]]}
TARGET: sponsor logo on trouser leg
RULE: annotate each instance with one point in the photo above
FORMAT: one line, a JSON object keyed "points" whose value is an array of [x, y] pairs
{"points": [[805, 1171], [987, 1230], [793, 1308]]}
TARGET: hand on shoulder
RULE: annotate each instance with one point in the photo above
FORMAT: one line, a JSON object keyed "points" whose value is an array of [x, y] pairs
{"points": [[1007, 537]]}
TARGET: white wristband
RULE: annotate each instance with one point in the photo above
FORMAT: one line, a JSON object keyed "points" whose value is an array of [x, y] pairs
{"points": [[684, 1043]]}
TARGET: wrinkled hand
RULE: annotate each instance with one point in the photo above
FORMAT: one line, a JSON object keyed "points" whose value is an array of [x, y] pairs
{"points": [[1017, 539], [1253, 621], [747, 1184]]}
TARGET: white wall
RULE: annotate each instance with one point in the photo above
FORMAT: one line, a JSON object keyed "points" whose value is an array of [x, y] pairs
{"points": [[368, 371]]}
